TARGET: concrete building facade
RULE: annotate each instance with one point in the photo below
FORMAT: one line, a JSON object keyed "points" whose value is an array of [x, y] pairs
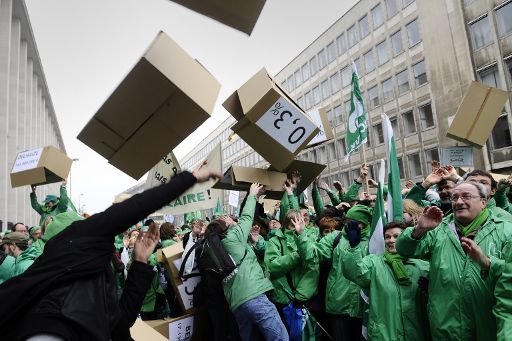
{"points": [[415, 59], [27, 117]]}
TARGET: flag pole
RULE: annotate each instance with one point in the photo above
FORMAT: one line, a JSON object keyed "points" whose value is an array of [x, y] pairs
{"points": [[366, 185]]}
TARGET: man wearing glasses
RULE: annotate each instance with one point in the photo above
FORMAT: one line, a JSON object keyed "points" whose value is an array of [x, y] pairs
{"points": [[465, 250]]}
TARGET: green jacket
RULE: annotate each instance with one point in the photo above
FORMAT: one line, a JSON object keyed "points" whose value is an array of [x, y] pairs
{"points": [[397, 312], [342, 295], [249, 281], [24, 261], [417, 194], [503, 293], [498, 211], [502, 200], [60, 207], [460, 300], [168, 242], [283, 260], [148, 305], [6, 268]]}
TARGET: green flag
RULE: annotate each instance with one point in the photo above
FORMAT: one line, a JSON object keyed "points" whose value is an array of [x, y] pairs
{"points": [[219, 210], [357, 130], [394, 199], [376, 245]]}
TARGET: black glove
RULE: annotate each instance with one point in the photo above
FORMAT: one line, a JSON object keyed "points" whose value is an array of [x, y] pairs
{"points": [[423, 283], [298, 304], [353, 233]]}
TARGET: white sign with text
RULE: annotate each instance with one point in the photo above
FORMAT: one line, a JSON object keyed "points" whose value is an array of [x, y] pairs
{"points": [[27, 160], [234, 197], [181, 330]]}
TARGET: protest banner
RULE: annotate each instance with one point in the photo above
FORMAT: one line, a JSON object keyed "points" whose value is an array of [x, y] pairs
{"points": [[163, 171]]}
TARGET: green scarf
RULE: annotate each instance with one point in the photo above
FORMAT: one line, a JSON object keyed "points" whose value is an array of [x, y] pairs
{"points": [[474, 225], [397, 264]]}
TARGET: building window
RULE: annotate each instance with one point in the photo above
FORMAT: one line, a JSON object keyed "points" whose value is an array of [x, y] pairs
{"points": [[406, 3], [325, 89], [345, 180], [307, 100], [305, 72], [331, 52], [298, 78], [382, 52], [401, 167], [340, 43], [313, 66], [346, 76], [413, 32], [431, 155], [414, 165], [369, 63], [322, 60], [342, 148], [348, 107], [338, 112], [373, 94], [490, 77], [396, 128], [284, 85], [321, 155], [316, 94], [377, 17], [300, 102], [500, 136], [352, 36], [481, 33], [409, 123], [402, 79], [391, 8], [503, 19], [420, 73], [335, 83], [331, 152], [330, 117], [387, 90], [357, 62], [396, 43], [291, 83], [426, 116], [378, 133], [364, 26]]}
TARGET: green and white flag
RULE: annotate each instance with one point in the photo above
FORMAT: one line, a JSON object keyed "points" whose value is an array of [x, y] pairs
{"points": [[394, 199], [357, 130], [376, 245]]}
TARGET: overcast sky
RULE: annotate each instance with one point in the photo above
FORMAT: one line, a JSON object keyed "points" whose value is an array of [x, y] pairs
{"points": [[87, 47]]}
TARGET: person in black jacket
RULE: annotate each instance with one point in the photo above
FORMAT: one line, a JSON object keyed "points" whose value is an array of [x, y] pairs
{"points": [[69, 291]]}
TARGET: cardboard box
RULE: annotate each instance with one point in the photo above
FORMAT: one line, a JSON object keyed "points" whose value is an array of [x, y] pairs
{"points": [[477, 114], [161, 101], [187, 327], [40, 166], [184, 290], [270, 121], [241, 15], [240, 178], [319, 116], [141, 331]]}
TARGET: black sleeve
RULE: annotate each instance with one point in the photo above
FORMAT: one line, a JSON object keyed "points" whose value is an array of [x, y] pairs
{"points": [[137, 285], [118, 217]]}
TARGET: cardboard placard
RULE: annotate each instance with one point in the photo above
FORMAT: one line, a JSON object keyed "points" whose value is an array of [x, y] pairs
{"points": [[163, 171], [319, 117], [187, 327], [477, 114], [40, 166], [141, 331], [240, 178], [241, 15], [164, 98], [269, 120]]}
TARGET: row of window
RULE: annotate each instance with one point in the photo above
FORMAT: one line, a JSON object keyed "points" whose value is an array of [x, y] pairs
{"points": [[481, 32]]}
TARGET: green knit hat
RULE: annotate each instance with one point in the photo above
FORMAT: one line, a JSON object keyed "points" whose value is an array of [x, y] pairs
{"points": [[50, 197], [360, 213], [59, 223]]}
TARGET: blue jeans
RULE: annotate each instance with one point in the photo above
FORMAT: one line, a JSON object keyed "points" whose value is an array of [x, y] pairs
{"points": [[261, 313]]}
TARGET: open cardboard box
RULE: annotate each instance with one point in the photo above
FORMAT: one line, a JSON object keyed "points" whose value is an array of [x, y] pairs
{"points": [[164, 98], [319, 117], [477, 114], [240, 178], [270, 121], [241, 15], [187, 327], [40, 166]]}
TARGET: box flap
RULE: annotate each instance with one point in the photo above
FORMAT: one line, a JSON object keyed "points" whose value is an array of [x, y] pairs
{"points": [[272, 180], [253, 91], [101, 138], [141, 331], [233, 106]]}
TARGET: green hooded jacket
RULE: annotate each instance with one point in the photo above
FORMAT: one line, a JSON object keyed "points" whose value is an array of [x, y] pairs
{"points": [[249, 281], [498, 211], [460, 299], [342, 295], [24, 261], [502, 200], [6, 268], [503, 293], [60, 207], [397, 312], [283, 259], [148, 305]]}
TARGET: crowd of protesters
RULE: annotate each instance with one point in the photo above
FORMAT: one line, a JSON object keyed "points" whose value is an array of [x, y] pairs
{"points": [[298, 272]]}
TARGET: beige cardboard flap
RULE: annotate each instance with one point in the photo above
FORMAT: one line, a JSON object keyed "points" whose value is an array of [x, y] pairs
{"points": [[477, 114], [272, 180], [141, 331]]}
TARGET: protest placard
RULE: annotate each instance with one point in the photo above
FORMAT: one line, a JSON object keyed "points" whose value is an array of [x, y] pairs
{"points": [[163, 171]]}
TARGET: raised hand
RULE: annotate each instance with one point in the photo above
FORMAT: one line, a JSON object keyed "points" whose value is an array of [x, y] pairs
{"points": [[33, 187], [372, 183], [203, 174], [344, 206], [429, 219], [503, 184], [409, 184], [432, 179], [475, 252], [64, 182], [323, 185], [298, 224], [435, 165], [338, 186], [363, 173], [287, 186], [256, 189], [255, 234], [145, 244]]}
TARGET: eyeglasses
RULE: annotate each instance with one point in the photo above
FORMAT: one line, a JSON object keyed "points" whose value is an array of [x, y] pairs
{"points": [[464, 197]]}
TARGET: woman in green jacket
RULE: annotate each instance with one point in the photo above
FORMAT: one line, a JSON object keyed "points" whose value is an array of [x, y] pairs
{"points": [[397, 303], [52, 204]]}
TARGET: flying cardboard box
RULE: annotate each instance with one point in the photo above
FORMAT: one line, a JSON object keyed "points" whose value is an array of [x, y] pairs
{"points": [[477, 114], [161, 101], [269, 120], [240, 178], [241, 15], [40, 166], [319, 116]]}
